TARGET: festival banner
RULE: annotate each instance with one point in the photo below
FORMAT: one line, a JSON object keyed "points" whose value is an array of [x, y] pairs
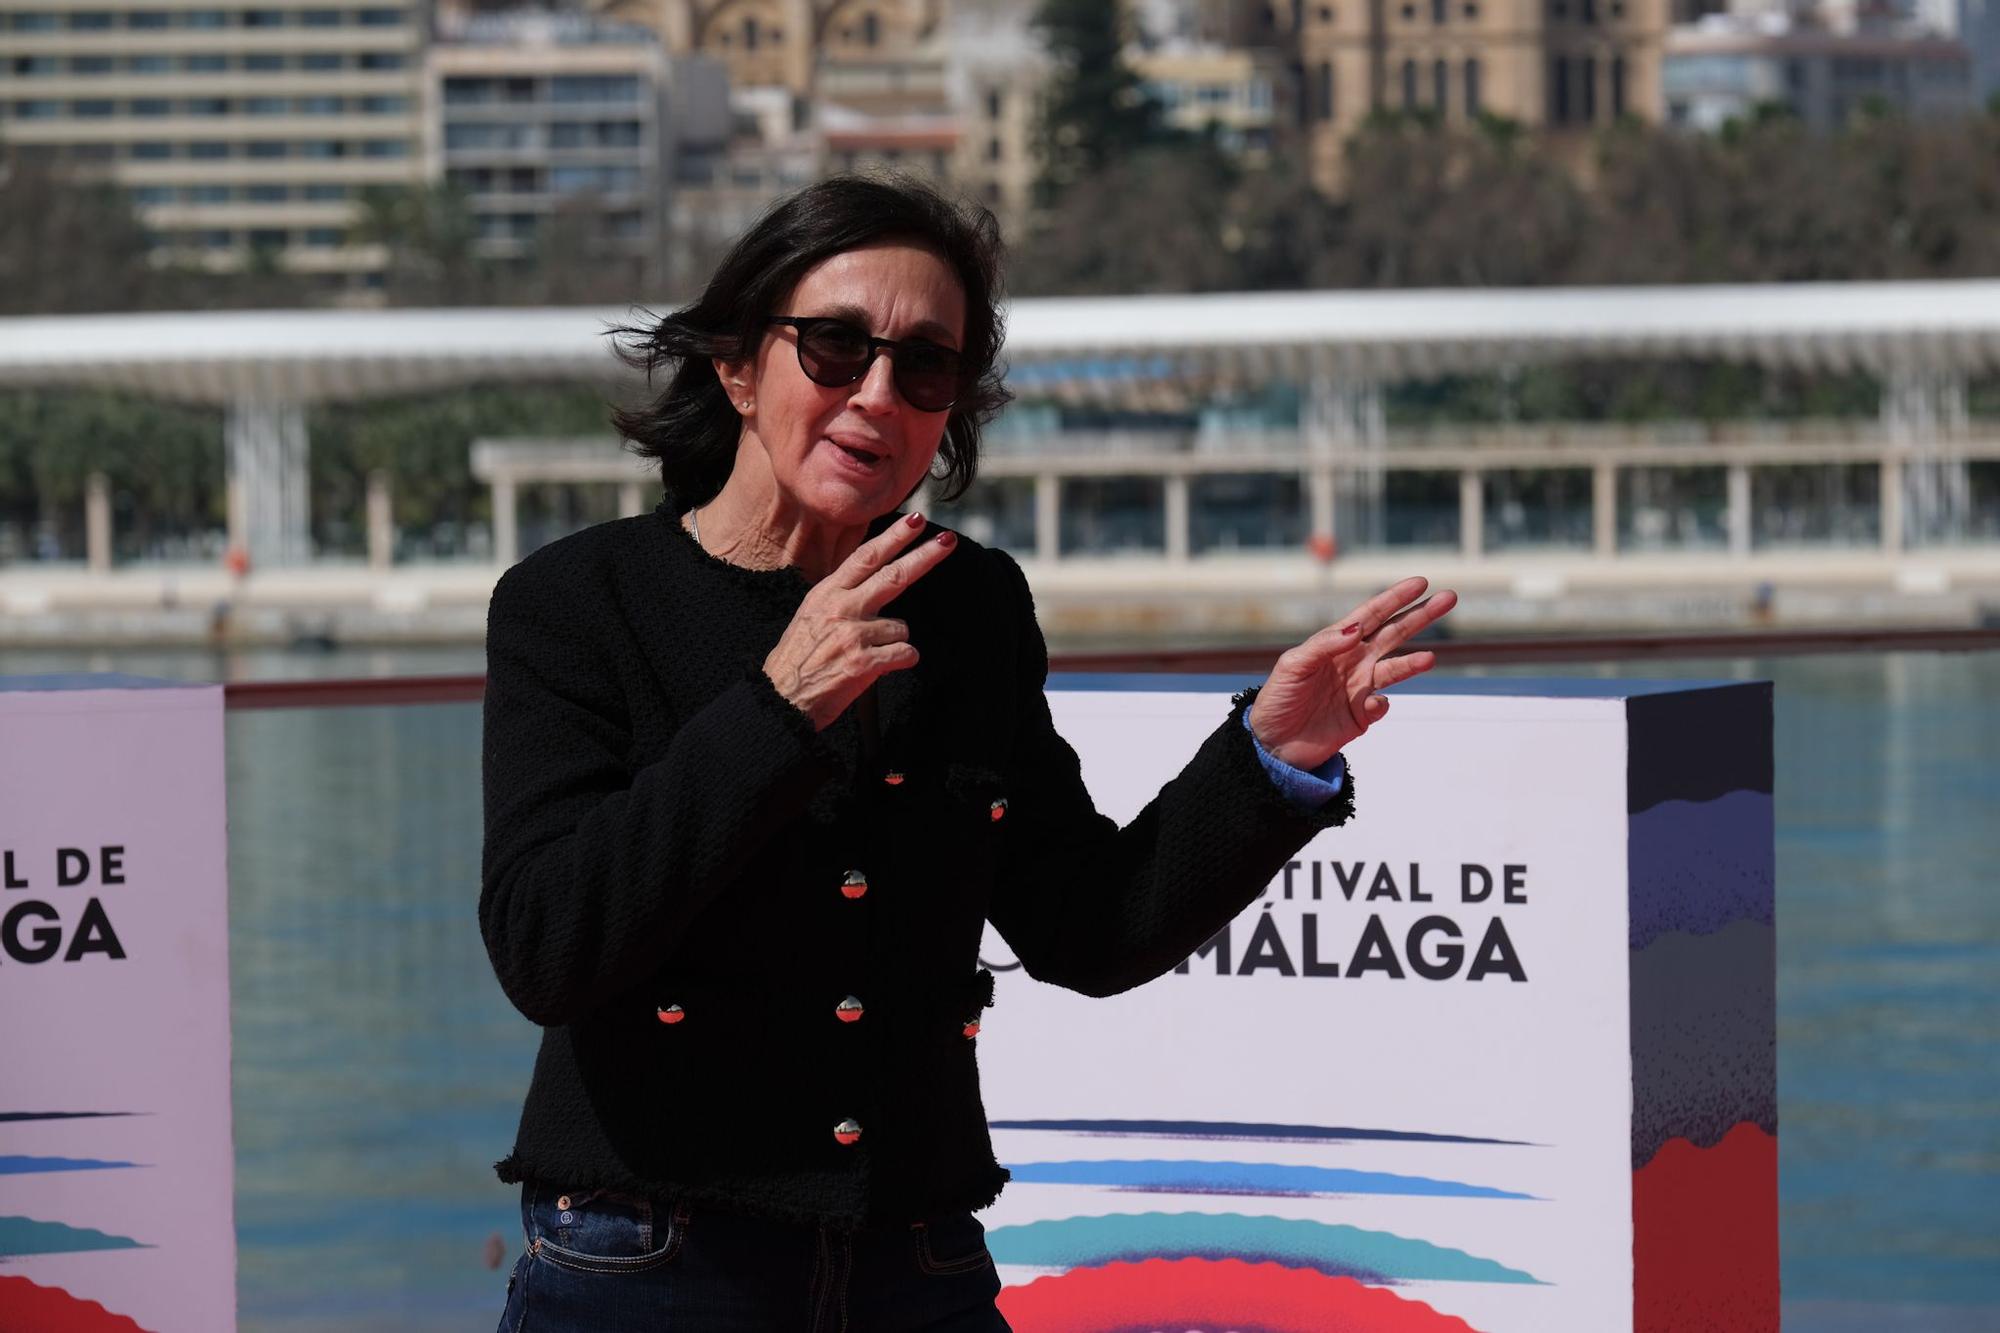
{"points": [[1497, 1055], [116, 1180]]}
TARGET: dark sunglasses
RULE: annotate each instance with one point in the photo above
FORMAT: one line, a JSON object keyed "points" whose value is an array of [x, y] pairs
{"points": [[834, 352]]}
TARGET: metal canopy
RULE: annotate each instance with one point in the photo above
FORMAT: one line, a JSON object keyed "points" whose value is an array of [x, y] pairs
{"points": [[319, 355]]}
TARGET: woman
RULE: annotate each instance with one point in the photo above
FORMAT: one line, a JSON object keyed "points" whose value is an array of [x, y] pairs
{"points": [[760, 765]]}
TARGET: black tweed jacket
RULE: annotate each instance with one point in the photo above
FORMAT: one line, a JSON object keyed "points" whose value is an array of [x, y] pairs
{"points": [[753, 946]]}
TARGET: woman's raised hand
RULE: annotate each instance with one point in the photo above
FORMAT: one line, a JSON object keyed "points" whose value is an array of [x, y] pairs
{"points": [[836, 645], [1322, 693]]}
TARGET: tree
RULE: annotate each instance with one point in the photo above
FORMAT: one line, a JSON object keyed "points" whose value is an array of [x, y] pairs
{"points": [[430, 234], [1095, 112], [67, 245]]}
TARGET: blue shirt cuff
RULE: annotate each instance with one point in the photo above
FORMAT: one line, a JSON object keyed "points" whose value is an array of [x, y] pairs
{"points": [[1306, 788]]}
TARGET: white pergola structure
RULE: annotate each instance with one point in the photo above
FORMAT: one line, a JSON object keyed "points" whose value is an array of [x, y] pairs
{"points": [[1921, 339]]}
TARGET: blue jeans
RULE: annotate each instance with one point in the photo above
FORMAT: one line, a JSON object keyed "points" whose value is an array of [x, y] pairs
{"points": [[598, 1262]]}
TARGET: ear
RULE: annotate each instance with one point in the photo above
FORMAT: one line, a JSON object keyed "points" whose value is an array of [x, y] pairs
{"points": [[738, 384]]}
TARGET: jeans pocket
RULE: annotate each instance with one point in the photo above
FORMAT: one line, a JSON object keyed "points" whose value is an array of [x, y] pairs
{"points": [[604, 1232], [952, 1244]]}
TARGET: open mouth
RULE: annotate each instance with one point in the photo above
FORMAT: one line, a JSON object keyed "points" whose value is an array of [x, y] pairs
{"points": [[865, 457]]}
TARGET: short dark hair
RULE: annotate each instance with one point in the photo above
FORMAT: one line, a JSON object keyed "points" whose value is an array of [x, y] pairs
{"points": [[692, 428]]}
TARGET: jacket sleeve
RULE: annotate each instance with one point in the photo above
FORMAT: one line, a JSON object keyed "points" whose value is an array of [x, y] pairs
{"points": [[591, 870], [1100, 909]]}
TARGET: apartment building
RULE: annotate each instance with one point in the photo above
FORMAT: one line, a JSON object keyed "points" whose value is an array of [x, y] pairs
{"points": [[543, 117], [1725, 67], [785, 43], [1565, 66], [244, 133]]}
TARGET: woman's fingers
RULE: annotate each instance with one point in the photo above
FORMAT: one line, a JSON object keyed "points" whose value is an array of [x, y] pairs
{"points": [[887, 583], [1365, 620], [1394, 670], [1414, 620], [872, 555], [1372, 614]]}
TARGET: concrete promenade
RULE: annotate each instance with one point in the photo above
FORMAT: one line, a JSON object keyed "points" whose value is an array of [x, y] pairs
{"points": [[1081, 601]]}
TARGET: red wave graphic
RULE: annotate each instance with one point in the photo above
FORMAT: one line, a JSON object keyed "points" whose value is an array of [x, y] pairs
{"points": [[1705, 1236], [26, 1307], [1214, 1294]]}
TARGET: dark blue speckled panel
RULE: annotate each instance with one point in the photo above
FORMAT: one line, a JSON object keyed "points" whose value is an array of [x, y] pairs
{"points": [[1696, 866]]}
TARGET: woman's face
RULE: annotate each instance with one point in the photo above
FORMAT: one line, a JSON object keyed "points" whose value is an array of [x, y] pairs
{"points": [[892, 290]]}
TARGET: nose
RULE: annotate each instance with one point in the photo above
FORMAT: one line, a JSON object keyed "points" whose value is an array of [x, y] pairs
{"points": [[875, 393]]}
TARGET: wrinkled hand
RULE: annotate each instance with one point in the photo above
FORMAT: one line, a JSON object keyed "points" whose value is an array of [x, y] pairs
{"points": [[1323, 692], [836, 646]]}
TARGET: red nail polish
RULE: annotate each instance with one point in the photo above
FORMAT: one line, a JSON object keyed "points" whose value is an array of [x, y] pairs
{"points": [[947, 538], [1350, 629], [915, 520]]}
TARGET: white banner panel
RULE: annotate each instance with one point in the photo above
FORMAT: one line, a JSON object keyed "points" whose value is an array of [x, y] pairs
{"points": [[1404, 1089], [115, 1150]]}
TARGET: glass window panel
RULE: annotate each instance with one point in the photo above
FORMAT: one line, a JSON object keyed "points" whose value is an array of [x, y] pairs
{"points": [[1673, 508], [1109, 515], [1246, 511], [999, 511], [1537, 507], [1815, 505]]}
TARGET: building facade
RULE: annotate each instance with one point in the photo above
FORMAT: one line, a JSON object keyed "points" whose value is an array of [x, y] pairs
{"points": [[1725, 68], [244, 134], [784, 43], [1565, 66], [551, 120], [1245, 96]]}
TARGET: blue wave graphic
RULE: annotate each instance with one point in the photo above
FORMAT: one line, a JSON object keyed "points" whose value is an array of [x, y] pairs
{"points": [[1244, 1130], [28, 1166], [28, 1235], [1262, 1178]]}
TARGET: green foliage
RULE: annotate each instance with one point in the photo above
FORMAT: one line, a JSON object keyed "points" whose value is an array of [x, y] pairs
{"points": [[1095, 112], [424, 442], [164, 461]]}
